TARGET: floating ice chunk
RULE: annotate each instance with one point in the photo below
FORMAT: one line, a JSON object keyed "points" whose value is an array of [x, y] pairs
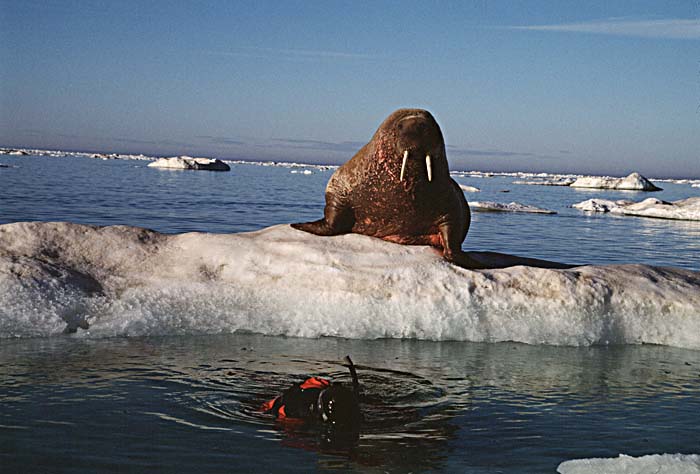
{"points": [[685, 209], [600, 205], [548, 182], [469, 189], [650, 464], [633, 182], [488, 206], [189, 163], [123, 280]]}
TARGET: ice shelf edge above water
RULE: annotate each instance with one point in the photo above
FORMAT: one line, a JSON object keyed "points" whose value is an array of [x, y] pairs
{"points": [[124, 281]]}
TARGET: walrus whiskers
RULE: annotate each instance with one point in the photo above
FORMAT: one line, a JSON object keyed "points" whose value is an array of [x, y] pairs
{"points": [[428, 167], [403, 164]]}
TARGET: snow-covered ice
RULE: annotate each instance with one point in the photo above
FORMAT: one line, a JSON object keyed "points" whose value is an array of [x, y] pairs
{"points": [[130, 281], [489, 206], [189, 163], [684, 209], [649, 464], [633, 182]]}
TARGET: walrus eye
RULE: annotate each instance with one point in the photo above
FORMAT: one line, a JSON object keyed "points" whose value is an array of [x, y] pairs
{"points": [[429, 168], [403, 164]]}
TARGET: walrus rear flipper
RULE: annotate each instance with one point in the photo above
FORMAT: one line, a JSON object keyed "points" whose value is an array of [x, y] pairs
{"points": [[502, 260], [462, 259]]}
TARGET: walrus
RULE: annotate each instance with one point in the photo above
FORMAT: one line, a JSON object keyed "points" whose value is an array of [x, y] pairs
{"points": [[398, 188]]}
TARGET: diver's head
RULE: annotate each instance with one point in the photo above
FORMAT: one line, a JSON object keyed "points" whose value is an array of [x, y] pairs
{"points": [[338, 405]]}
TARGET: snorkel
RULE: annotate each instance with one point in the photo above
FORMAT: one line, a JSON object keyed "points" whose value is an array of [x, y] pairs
{"points": [[339, 406]]}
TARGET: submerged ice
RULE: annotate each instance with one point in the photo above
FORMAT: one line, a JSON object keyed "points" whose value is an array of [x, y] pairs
{"points": [[129, 281], [489, 206]]}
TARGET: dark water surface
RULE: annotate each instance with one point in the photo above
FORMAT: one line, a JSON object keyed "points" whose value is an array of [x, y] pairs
{"points": [[190, 403]]}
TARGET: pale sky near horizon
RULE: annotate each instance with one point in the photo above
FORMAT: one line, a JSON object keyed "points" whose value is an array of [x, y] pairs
{"points": [[563, 86]]}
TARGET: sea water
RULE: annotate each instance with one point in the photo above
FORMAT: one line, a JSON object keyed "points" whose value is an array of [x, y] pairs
{"points": [[186, 403]]}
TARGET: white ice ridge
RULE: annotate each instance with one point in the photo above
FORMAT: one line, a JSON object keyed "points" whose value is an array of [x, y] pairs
{"points": [[650, 464], [633, 182], [489, 206], [189, 163], [126, 281], [685, 209]]}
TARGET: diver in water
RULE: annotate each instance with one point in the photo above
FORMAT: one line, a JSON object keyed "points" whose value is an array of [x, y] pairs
{"points": [[318, 399]]}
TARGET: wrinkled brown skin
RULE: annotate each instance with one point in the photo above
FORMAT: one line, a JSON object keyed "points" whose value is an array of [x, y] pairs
{"points": [[365, 195]]}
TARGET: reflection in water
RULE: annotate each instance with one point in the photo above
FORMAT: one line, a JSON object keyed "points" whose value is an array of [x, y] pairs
{"points": [[427, 406]]}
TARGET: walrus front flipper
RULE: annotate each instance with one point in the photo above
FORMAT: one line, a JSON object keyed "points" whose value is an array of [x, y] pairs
{"points": [[452, 248], [338, 219]]}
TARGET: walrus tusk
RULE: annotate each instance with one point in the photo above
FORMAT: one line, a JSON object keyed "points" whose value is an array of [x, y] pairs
{"points": [[428, 167], [403, 164]]}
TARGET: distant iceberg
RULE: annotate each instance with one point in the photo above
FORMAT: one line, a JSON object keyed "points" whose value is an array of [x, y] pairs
{"points": [[128, 281], [633, 182], [489, 206], [189, 163], [685, 209], [650, 464]]}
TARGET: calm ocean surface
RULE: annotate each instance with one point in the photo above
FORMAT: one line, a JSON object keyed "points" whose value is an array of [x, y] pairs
{"points": [[189, 403]]}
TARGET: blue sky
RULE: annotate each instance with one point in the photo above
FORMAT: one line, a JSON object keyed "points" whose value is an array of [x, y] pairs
{"points": [[594, 87]]}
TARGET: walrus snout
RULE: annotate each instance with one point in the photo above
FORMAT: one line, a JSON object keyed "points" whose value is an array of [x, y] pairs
{"points": [[418, 134], [418, 128]]}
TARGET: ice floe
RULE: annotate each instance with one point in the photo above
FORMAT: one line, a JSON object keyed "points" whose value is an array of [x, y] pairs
{"points": [[633, 182], [129, 281], [649, 464], [189, 163], [284, 164], [692, 182], [82, 154], [685, 209], [469, 189], [489, 206], [547, 182]]}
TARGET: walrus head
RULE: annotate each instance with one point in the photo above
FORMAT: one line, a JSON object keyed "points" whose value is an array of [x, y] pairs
{"points": [[411, 141]]}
